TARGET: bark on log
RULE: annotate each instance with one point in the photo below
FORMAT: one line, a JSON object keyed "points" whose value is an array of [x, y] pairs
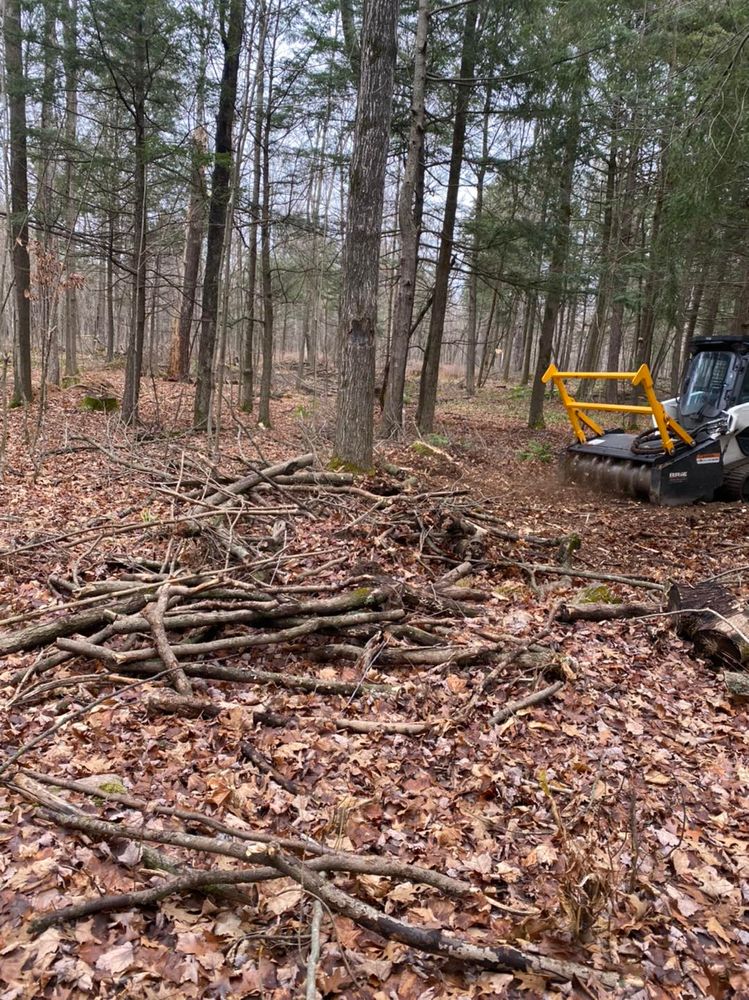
{"points": [[185, 706], [154, 615], [85, 621], [737, 683], [450, 578], [151, 858], [275, 721], [714, 620], [604, 612], [582, 574], [436, 941], [394, 657], [272, 862], [144, 897]]}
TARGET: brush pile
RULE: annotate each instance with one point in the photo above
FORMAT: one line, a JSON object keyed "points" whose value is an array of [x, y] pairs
{"points": [[253, 612]]}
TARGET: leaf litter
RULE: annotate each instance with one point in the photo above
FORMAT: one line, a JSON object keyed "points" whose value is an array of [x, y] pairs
{"points": [[606, 826]]}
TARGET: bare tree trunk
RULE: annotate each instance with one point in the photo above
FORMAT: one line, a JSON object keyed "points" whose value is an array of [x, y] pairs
{"points": [[179, 353], [351, 38], [595, 333], [740, 321], [70, 37], [431, 366], [528, 327], [110, 288], [266, 373], [653, 281], [473, 280], [220, 185], [247, 367], [49, 281], [682, 340], [134, 363], [361, 252], [714, 285], [620, 278], [555, 279], [19, 197], [410, 211]]}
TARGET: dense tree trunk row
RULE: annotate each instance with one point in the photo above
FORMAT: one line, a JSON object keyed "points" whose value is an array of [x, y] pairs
{"points": [[547, 206]]}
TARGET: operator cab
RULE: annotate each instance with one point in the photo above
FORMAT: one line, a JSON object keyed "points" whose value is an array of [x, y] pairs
{"points": [[717, 378]]}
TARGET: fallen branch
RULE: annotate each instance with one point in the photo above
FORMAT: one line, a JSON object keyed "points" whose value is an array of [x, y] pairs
{"points": [[397, 656], [249, 752], [305, 845], [435, 941], [272, 863], [85, 621], [450, 578], [583, 574], [154, 615], [512, 707], [276, 721], [151, 858], [65, 719], [144, 897], [310, 991], [185, 706], [231, 643], [244, 485], [603, 612], [248, 675], [334, 861]]}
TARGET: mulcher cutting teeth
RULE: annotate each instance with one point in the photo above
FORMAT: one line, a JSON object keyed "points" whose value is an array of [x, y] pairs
{"points": [[608, 475]]}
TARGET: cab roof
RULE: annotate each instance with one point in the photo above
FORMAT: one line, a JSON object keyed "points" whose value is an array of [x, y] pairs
{"points": [[736, 342]]}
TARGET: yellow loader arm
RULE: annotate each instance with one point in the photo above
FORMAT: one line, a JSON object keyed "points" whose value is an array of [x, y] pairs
{"points": [[576, 409]]}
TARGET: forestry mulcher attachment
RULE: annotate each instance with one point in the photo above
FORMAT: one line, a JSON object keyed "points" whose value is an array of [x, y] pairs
{"points": [[698, 445]]}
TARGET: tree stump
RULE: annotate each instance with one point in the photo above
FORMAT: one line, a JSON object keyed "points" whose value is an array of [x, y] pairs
{"points": [[714, 620]]}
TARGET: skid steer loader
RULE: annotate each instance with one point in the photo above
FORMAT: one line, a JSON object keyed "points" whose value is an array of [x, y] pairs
{"points": [[698, 445]]}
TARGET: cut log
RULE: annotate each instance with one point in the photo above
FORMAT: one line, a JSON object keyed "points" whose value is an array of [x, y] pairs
{"points": [[714, 620]]}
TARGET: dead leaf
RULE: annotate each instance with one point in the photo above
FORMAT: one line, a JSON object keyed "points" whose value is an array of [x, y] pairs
{"points": [[116, 960]]}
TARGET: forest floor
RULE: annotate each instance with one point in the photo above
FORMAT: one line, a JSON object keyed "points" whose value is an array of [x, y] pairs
{"points": [[606, 826]]}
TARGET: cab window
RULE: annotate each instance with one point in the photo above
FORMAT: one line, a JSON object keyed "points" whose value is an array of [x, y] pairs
{"points": [[743, 396]]}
